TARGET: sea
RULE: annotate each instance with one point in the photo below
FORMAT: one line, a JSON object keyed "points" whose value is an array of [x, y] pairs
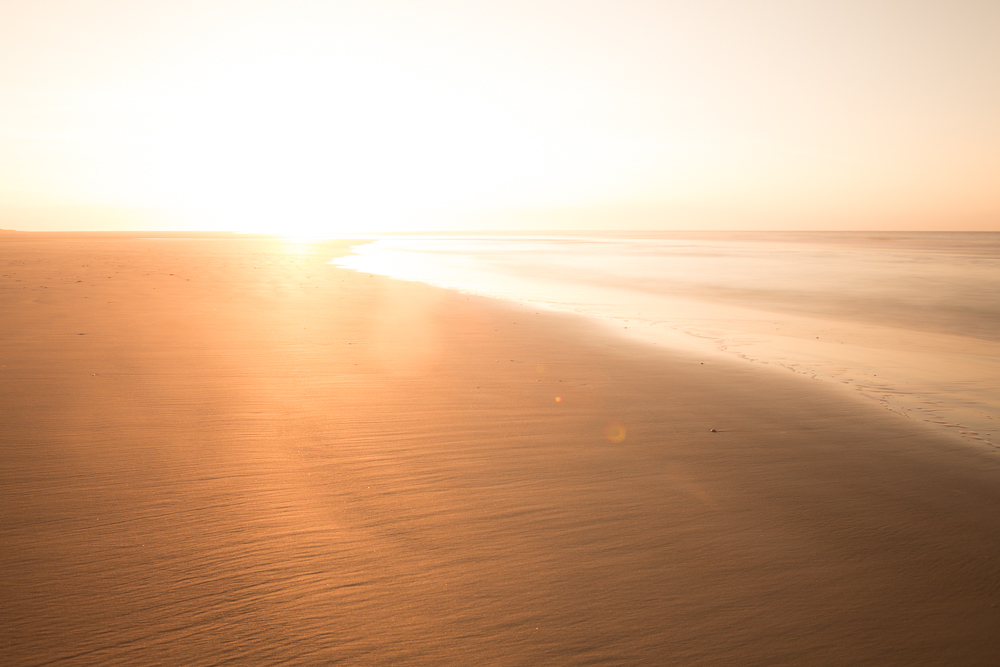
{"points": [[909, 320]]}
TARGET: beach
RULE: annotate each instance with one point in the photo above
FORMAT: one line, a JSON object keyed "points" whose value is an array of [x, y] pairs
{"points": [[225, 449], [909, 320]]}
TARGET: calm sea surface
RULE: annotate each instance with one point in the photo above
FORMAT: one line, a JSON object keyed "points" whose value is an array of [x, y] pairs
{"points": [[911, 320]]}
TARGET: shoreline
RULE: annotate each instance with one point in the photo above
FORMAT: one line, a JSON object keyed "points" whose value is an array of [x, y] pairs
{"points": [[906, 330], [238, 452]]}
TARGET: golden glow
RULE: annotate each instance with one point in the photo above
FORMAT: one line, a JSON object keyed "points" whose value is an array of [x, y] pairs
{"points": [[300, 245], [317, 118]]}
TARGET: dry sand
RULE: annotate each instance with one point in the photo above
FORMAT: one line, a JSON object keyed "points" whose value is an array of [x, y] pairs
{"points": [[229, 451]]}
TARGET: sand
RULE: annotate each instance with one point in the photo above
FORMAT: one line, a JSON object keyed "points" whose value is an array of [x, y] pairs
{"points": [[226, 450]]}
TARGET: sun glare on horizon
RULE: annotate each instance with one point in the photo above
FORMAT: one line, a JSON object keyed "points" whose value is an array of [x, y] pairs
{"points": [[316, 118]]}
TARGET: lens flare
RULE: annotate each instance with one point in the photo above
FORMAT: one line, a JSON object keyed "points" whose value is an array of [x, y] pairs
{"points": [[615, 432]]}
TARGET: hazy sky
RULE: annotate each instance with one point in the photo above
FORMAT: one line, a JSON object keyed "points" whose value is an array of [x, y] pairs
{"points": [[353, 116]]}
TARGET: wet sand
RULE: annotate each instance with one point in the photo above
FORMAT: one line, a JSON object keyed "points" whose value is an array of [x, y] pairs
{"points": [[227, 450]]}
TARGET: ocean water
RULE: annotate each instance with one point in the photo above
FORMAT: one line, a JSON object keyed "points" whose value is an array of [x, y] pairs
{"points": [[911, 320]]}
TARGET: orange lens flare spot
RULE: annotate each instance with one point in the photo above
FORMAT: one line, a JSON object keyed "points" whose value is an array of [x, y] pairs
{"points": [[558, 399], [615, 432]]}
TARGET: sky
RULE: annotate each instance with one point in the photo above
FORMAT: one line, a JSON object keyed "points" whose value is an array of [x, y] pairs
{"points": [[315, 117]]}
